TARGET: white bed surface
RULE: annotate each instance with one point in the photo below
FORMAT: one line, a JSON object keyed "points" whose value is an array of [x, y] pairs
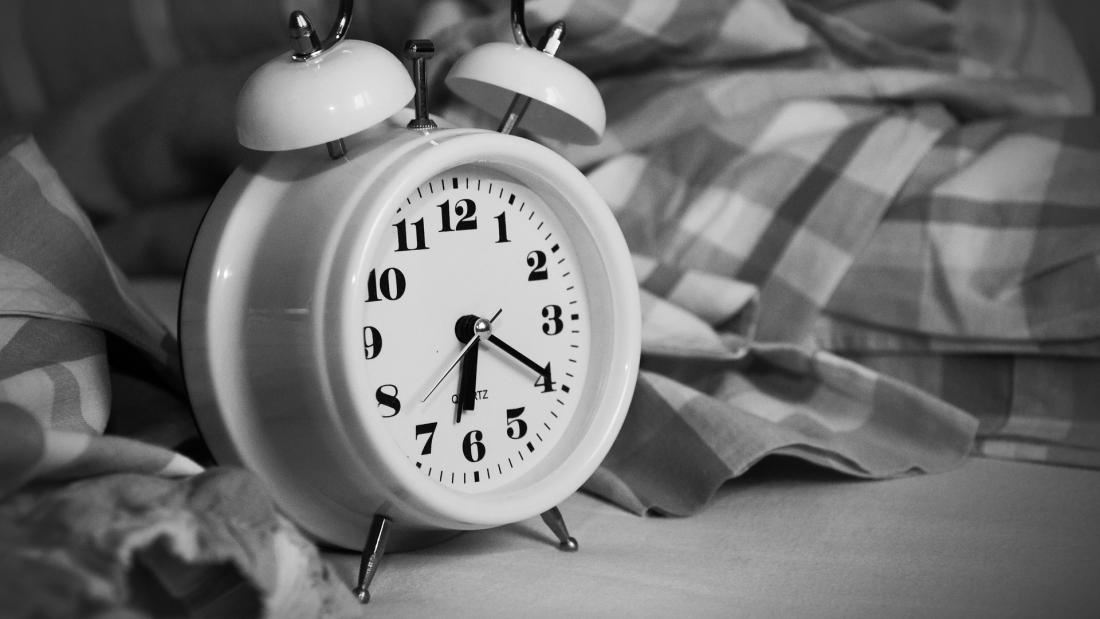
{"points": [[992, 539]]}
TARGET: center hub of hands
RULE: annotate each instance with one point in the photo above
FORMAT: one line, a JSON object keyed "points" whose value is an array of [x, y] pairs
{"points": [[469, 326]]}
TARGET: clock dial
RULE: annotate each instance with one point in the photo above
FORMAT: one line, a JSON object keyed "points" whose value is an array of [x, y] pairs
{"points": [[474, 330]]}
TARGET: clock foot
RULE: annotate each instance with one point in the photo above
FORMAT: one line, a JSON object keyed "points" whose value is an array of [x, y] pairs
{"points": [[553, 519], [336, 148], [372, 556]]}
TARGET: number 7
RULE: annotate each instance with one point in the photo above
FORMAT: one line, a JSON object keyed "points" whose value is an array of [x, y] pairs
{"points": [[429, 429]]}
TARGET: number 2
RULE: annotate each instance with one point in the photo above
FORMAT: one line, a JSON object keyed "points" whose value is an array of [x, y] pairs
{"points": [[537, 261]]}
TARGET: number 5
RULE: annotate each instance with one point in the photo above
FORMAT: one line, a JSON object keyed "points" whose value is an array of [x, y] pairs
{"points": [[517, 427]]}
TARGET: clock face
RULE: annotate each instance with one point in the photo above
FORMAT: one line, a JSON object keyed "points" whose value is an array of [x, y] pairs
{"points": [[472, 243]]}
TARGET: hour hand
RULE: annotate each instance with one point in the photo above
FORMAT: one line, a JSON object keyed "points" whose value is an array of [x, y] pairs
{"points": [[467, 381], [469, 329], [461, 355]]}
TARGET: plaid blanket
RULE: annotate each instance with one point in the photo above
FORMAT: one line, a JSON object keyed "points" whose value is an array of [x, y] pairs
{"points": [[866, 235]]}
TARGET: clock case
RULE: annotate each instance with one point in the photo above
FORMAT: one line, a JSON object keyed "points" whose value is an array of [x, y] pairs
{"points": [[271, 317], [270, 308]]}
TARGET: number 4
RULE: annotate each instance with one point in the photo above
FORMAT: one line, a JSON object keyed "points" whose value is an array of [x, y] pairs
{"points": [[544, 380]]}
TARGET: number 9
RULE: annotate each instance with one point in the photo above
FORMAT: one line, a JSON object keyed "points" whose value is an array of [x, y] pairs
{"points": [[372, 342]]}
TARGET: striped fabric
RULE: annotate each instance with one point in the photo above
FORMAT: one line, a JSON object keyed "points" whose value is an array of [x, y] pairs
{"points": [[91, 417], [865, 233], [914, 195], [58, 299], [57, 51]]}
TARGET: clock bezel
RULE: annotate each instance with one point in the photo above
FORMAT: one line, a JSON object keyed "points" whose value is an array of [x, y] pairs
{"points": [[613, 289]]}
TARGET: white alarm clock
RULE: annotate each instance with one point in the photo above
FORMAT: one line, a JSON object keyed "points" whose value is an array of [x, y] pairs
{"points": [[403, 328]]}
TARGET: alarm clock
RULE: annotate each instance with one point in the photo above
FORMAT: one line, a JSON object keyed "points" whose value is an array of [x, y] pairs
{"points": [[405, 330]]}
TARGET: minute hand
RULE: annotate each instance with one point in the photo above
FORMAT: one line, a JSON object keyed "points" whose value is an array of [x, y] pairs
{"points": [[522, 358]]}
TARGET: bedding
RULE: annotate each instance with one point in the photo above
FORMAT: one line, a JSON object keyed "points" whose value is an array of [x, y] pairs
{"points": [[992, 538], [864, 242]]}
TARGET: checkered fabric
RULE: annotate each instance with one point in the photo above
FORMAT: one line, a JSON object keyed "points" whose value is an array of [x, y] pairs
{"points": [[91, 420], [58, 299], [865, 235], [927, 210], [902, 186]]}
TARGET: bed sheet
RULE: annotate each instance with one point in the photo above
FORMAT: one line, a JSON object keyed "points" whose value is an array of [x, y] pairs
{"points": [[990, 539]]}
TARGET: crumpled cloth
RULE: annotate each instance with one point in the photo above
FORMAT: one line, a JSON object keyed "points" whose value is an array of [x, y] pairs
{"points": [[99, 510], [211, 545], [864, 241]]}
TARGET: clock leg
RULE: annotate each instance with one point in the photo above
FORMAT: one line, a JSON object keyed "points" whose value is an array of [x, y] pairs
{"points": [[553, 519], [372, 556]]}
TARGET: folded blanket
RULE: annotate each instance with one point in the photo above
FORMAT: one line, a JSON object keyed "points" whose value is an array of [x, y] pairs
{"points": [[858, 237]]}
